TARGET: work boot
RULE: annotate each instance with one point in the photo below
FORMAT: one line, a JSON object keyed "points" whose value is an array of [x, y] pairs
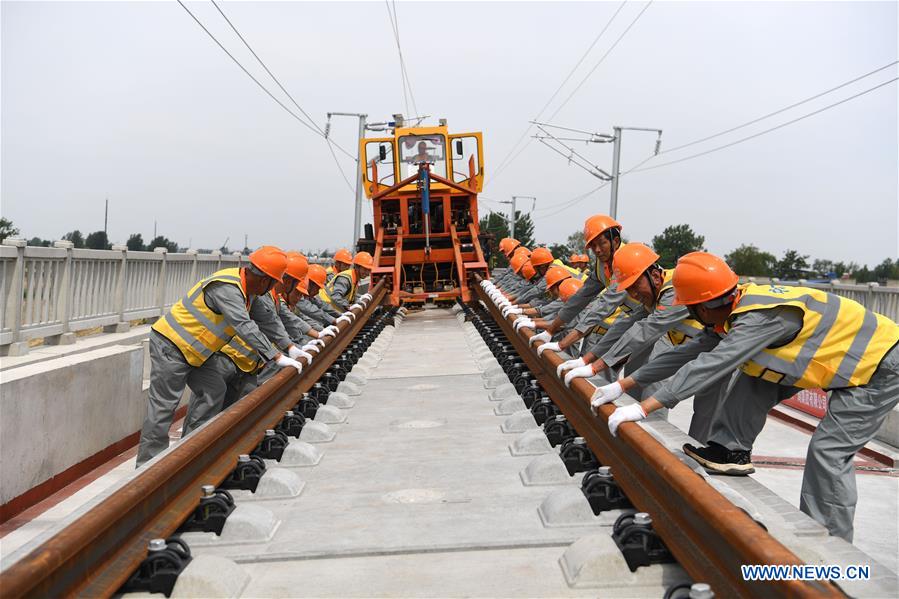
{"points": [[717, 459]]}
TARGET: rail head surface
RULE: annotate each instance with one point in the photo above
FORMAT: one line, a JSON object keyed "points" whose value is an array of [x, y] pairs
{"points": [[95, 554], [709, 535]]}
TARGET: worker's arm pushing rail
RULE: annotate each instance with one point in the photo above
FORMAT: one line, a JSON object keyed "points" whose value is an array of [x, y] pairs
{"points": [[709, 535], [97, 553]]}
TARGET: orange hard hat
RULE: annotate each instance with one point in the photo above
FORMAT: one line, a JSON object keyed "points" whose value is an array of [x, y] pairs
{"points": [[555, 275], [344, 256], [511, 246], [521, 250], [574, 259], [528, 271], [700, 277], [504, 244], [630, 261], [364, 260], [270, 260], [518, 261], [598, 224], [541, 256], [303, 286], [569, 287], [297, 265], [317, 274]]}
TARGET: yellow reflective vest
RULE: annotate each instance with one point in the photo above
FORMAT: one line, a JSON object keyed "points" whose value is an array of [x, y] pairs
{"points": [[685, 329], [195, 328], [244, 357], [577, 274], [840, 344], [325, 292]]}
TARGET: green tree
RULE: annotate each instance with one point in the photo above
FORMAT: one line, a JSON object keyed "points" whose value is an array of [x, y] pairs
{"points": [[674, 242], [75, 237], [575, 242], [791, 266], [888, 269], [749, 261], [38, 242], [97, 241], [496, 224], [7, 229], [560, 251], [524, 229], [135, 243], [160, 241]]}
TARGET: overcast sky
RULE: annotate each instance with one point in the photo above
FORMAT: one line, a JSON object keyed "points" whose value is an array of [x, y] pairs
{"points": [[134, 102]]}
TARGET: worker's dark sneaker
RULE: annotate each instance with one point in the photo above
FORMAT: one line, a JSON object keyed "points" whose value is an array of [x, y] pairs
{"points": [[721, 460]]}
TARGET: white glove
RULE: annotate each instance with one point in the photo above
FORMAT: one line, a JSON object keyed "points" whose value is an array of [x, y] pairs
{"points": [[283, 361], [545, 336], [552, 345], [360, 306], [568, 364], [296, 353], [311, 346], [581, 372], [366, 296], [350, 314], [328, 331], [511, 310], [317, 342], [524, 322], [631, 413], [344, 318], [605, 394]]}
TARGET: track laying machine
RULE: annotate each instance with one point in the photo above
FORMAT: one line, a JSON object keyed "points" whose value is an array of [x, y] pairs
{"points": [[424, 183]]}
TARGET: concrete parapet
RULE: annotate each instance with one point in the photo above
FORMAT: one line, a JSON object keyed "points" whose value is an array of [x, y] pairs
{"points": [[59, 413]]}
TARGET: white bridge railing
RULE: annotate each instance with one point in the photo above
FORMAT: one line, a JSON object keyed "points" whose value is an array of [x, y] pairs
{"points": [[51, 293], [54, 292]]}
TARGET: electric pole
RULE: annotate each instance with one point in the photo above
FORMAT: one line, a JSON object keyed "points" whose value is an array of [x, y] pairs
{"points": [[106, 218], [579, 160], [512, 216], [357, 214]]}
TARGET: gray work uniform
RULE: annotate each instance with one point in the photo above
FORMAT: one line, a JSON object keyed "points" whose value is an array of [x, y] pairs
{"points": [[854, 414], [342, 294], [296, 327], [204, 406], [312, 308], [170, 372], [592, 287], [549, 310], [536, 293]]}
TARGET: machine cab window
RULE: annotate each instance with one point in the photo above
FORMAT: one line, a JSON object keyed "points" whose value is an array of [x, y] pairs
{"points": [[415, 149]]}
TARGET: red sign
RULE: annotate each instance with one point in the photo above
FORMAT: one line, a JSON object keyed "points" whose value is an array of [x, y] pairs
{"points": [[810, 401]]}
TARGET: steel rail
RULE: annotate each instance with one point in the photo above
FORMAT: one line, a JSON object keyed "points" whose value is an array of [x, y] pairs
{"points": [[95, 554], [709, 535]]}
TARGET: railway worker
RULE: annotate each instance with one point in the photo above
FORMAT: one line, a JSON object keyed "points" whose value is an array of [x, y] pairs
{"points": [[516, 282], [782, 339], [553, 279], [342, 260], [299, 331], [657, 327], [507, 246], [309, 304], [562, 291], [199, 325], [580, 262], [602, 235], [276, 322], [341, 291]]}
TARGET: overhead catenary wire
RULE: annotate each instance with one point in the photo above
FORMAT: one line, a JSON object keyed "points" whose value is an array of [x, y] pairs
{"points": [[404, 73], [297, 117], [600, 61], [503, 163], [779, 111], [766, 131]]}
